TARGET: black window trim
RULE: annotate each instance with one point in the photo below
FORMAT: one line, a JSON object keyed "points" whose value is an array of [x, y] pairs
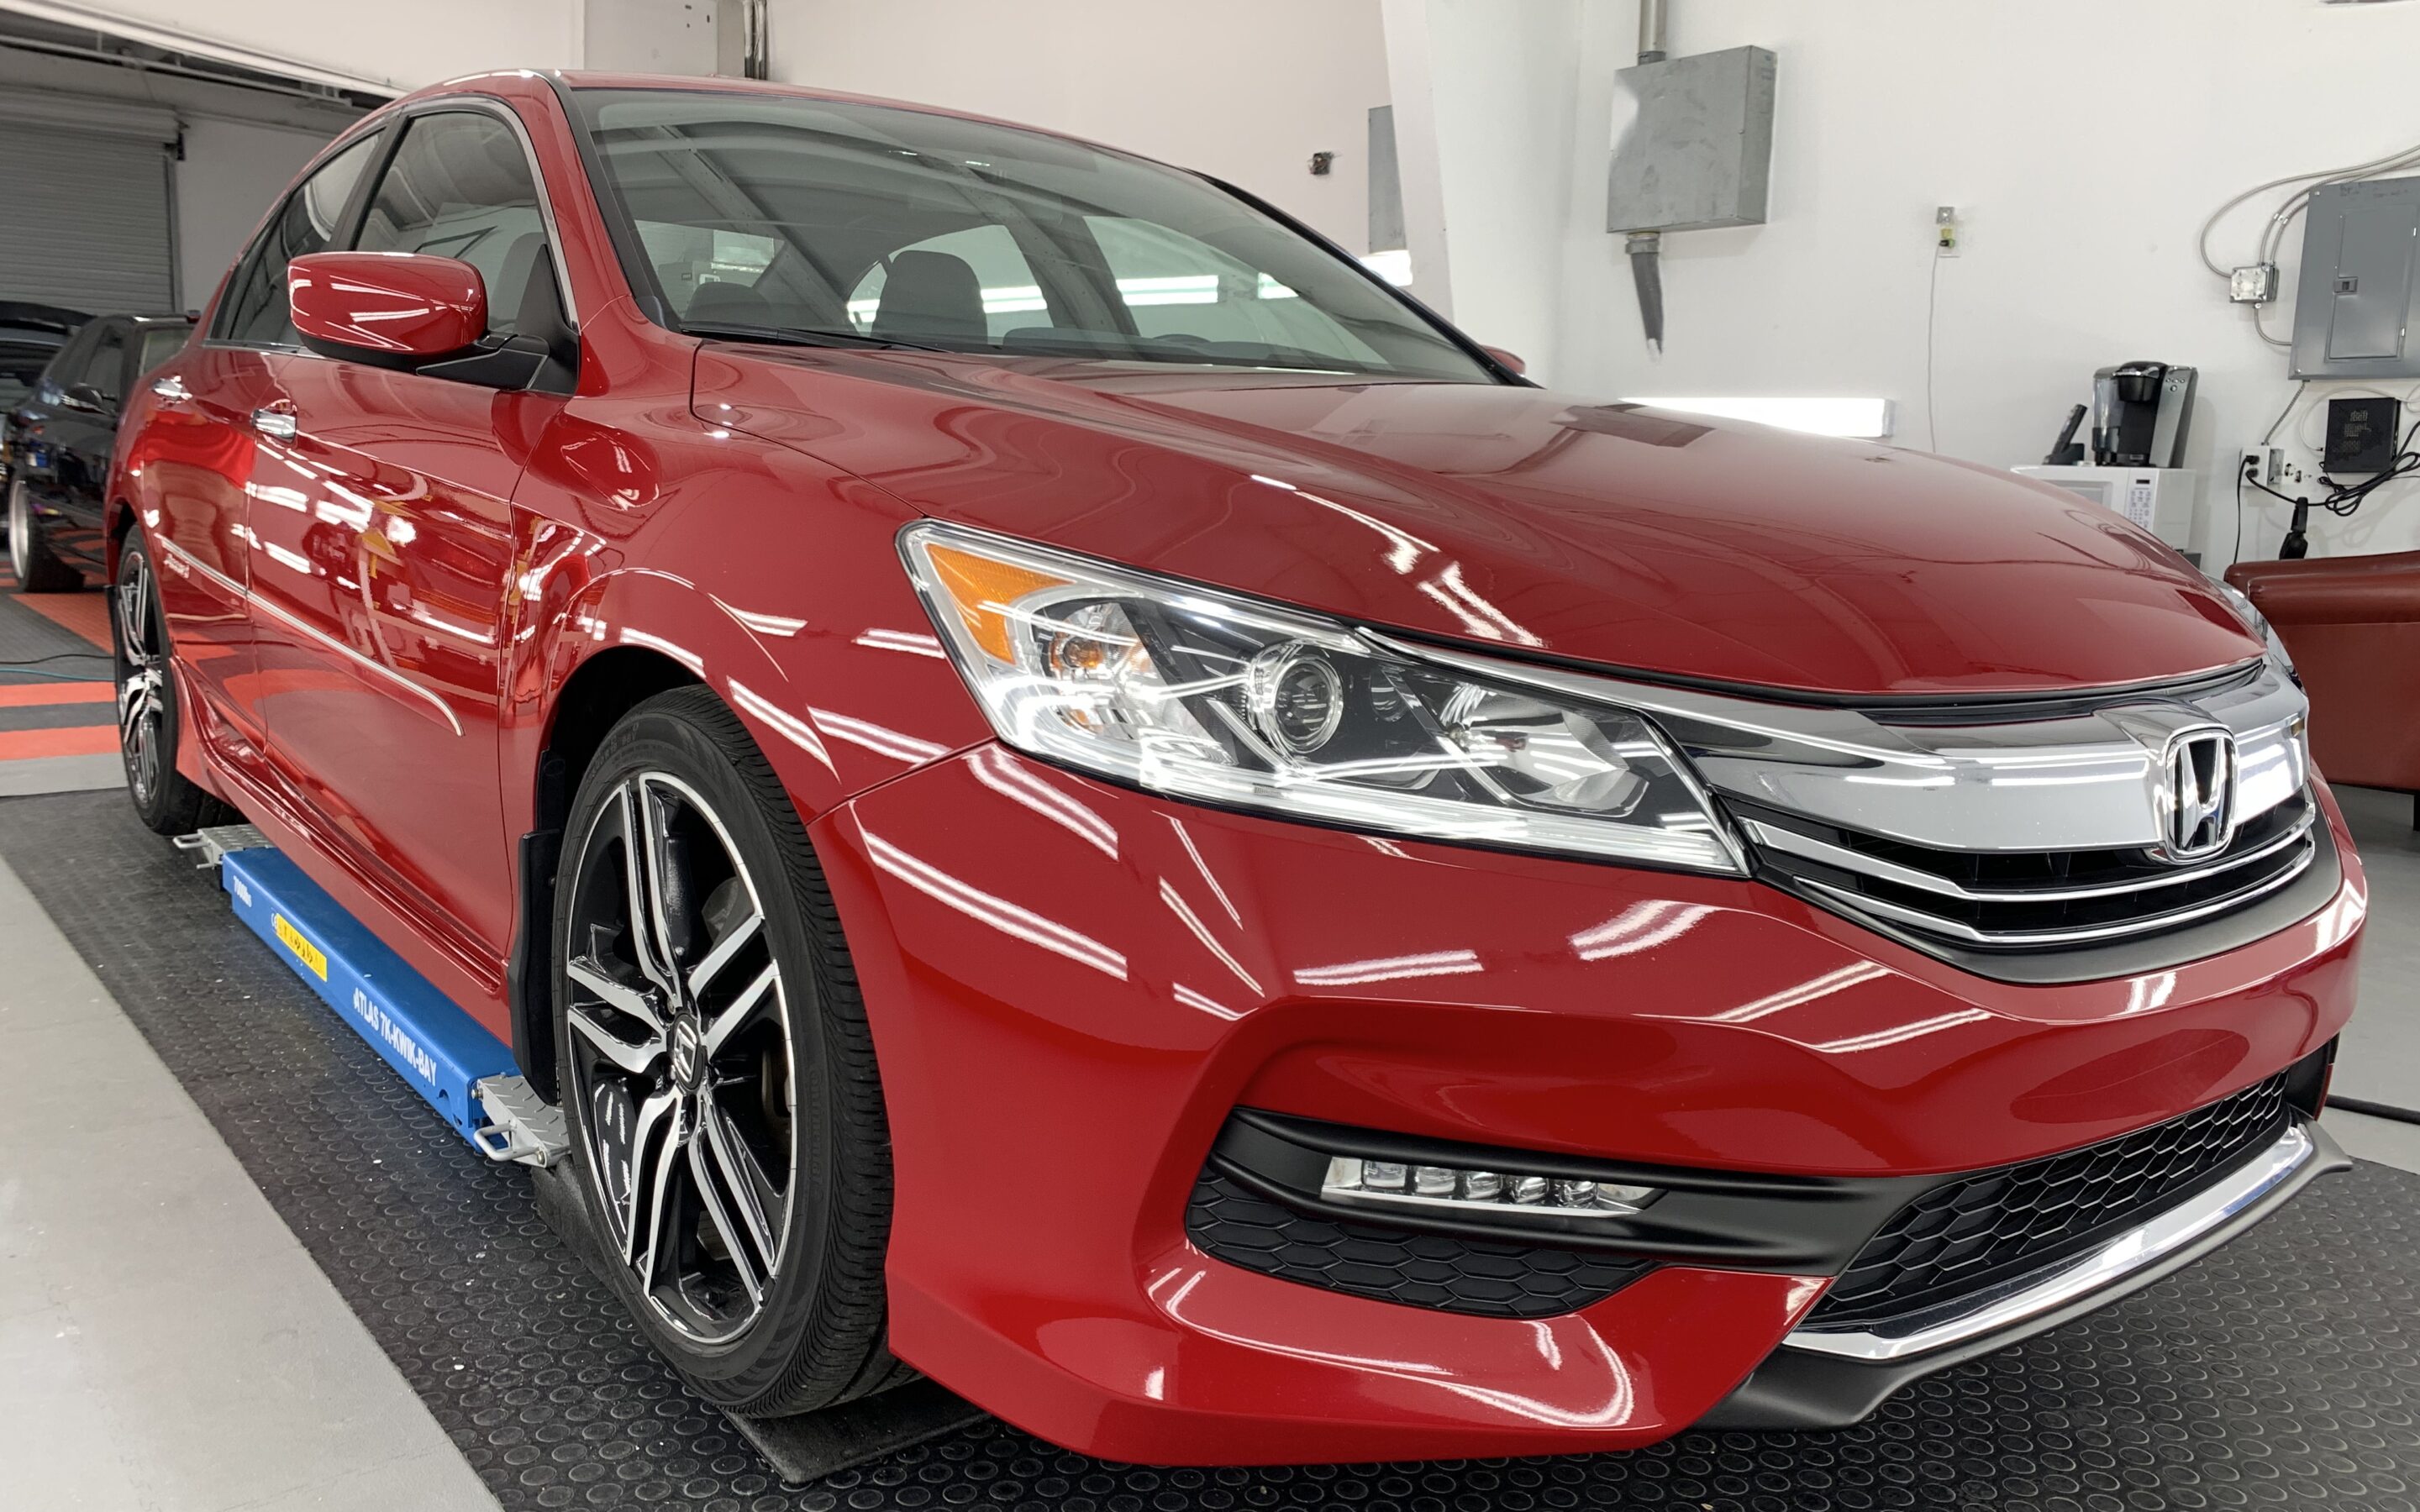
{"points": [[390, 127], [622, 229]]}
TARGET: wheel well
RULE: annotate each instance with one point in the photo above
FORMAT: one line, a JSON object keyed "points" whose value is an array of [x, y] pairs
{"points": [[120, 527], [604, 687]]}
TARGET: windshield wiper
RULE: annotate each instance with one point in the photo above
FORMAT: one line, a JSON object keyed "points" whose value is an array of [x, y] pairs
{"points": [[812, 336]]}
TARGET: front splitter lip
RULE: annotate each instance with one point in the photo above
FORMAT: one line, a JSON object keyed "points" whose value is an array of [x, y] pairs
{"points": [[1826, 1380]]}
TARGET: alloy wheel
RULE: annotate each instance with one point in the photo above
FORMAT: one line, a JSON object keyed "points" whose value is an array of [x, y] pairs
{"points": [[681, 1056], [21, 529], [142, 675]]}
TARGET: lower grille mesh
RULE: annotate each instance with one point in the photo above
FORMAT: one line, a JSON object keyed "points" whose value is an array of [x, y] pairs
{"points": [[1969, 1233], [1228, 1221]]}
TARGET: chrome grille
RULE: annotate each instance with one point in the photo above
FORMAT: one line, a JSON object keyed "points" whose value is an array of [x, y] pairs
{"points": [[2020, 900]]}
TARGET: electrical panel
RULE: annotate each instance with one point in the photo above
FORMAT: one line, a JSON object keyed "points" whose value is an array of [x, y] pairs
{"points": [[2354, 309], [1698, 150]]}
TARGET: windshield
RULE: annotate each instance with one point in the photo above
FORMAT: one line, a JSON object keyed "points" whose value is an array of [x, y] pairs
{"points": [[869, 224]]}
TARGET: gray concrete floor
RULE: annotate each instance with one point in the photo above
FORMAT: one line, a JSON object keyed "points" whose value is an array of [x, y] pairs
{"points": [[166, 1345]]}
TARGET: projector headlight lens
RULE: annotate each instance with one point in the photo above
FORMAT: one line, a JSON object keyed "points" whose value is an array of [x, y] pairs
{"points": [[1216, 698]]}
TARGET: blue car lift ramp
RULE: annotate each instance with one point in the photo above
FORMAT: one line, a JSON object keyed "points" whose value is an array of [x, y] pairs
{"points": [[460, 1070], [470, 1077]]}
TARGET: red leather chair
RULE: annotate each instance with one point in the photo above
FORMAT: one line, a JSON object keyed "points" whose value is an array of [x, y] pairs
{"points": [[2352, 626]]}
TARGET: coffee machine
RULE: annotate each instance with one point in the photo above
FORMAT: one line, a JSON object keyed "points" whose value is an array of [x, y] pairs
{"points": [[2139, 411]]}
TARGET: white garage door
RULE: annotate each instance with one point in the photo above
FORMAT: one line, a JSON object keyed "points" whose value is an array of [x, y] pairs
{"points": [[89, 223]]}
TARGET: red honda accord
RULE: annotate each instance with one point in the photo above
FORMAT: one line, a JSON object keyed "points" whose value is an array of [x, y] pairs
{"points": [[1073, 795]]}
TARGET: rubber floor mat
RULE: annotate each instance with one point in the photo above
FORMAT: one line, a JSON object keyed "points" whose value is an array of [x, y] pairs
{"points": [[2281, 1372]]}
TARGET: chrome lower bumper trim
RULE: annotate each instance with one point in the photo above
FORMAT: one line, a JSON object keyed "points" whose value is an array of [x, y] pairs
{"points": [[2069, 1280]]}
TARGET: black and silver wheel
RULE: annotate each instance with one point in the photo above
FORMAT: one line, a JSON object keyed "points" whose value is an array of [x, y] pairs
{"points": [[714, 1064], [38, 569], [149, 726]]}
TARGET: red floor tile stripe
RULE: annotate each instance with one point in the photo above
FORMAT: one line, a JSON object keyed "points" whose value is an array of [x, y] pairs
{"points": [[86, 614], [89, 740], [36, 695]]}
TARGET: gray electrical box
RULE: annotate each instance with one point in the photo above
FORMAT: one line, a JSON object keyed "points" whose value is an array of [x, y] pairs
{"points": [[2354, 309], [1699, 152]]}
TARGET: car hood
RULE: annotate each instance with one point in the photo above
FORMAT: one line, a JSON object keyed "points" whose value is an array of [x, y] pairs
{"points": [[1629, 538]]}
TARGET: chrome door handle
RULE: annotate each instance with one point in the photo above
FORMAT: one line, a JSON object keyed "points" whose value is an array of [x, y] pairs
{"points": [[172, 389], [277, 425]]}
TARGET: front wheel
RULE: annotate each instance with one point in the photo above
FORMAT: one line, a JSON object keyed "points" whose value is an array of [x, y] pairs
{"points": [[716, 1070], [38, 569]]}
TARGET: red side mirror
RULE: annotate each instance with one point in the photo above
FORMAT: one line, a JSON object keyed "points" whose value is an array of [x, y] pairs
{"points": [[386, 305], [1506, 359]]}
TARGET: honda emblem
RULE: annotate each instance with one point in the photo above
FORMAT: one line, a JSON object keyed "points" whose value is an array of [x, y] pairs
{"points": [[2198, 794]]}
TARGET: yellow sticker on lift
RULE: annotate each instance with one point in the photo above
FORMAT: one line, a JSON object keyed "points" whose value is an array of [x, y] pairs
{"points": [[304, 952]]}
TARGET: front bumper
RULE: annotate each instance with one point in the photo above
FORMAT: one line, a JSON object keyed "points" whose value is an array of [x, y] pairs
{"points": [[1072, 986], [1823, 1379]]}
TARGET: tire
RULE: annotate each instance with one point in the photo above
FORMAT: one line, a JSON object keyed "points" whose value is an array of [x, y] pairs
{"points": [[39, 569], [685, 1089], [149, 720]]}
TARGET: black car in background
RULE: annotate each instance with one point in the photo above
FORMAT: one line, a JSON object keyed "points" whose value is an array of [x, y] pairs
{"points": [[59, 437], [30, 336]]}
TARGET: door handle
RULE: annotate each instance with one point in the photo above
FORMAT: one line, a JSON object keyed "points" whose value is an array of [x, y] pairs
{"points": [[276, 421], [171, 389]]}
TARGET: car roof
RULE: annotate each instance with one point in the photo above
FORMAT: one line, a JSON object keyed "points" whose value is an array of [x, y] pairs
{"points": [[26, 316], [692, 83]]}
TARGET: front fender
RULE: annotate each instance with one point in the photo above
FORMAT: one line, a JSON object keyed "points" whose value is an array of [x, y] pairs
{"points": [[771, 579]]}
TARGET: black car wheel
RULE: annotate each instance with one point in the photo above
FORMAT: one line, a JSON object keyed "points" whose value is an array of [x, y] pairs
{"points": [[715, 1068], [149, 726], [38, 569]]}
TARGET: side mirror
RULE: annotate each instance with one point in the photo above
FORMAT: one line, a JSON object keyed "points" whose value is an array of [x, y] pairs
{"points": [[86, 398], [390, 309], [1506, 359]]}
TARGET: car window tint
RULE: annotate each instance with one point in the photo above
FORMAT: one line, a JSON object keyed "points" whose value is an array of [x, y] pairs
{"points": [[160, 342], [460, 186], [255, 309], [107, 372]]}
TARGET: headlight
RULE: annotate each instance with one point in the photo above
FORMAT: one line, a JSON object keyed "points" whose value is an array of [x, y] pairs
{"points": [[2257, 622], [1201, 694]]}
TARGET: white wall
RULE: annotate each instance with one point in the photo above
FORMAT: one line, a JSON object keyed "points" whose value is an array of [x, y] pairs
{"points": [[1243, 89], [232, 172], [2083, 140], [405, 43], [1485, 95]]}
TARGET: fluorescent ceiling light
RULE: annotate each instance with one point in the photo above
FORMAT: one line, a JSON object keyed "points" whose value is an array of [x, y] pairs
{"points": [[1859, 419]]}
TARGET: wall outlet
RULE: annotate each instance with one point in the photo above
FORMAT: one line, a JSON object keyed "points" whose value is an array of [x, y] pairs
{"points": [[2266, 464], [1948, 235]]}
